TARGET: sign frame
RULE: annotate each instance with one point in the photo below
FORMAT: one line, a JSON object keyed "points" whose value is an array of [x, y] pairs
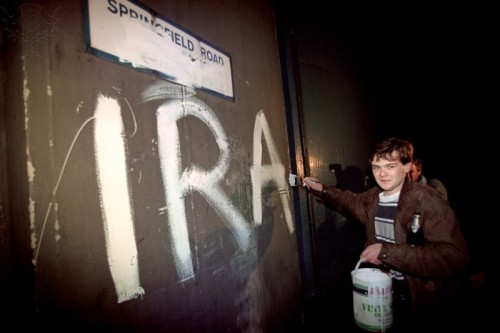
{"points": [[132, 35]]}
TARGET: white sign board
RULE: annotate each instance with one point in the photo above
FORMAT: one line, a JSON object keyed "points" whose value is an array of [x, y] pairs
{"points": [[133, 35]]}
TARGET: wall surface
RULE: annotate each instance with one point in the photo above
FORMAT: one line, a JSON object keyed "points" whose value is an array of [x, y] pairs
{"points": [[338, 128], [137, 203]]}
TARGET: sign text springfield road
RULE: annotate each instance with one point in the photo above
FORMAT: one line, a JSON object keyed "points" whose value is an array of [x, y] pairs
{"points": [[129, 33]]}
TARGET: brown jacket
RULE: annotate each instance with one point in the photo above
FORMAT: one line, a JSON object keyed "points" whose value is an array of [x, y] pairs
{"points": [[430, 271]]}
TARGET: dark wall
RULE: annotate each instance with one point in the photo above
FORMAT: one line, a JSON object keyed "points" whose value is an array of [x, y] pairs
{"points": [[136, 203]]}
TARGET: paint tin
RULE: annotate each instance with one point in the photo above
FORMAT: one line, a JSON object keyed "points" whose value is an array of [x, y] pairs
{"points": [[372, 299]]}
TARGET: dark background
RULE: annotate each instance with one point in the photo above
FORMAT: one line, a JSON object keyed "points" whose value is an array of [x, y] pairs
{"points": [[427, 73], [429, 78]]}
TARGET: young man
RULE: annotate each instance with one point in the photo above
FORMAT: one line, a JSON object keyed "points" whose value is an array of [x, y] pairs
{"points": [[424, 274]]}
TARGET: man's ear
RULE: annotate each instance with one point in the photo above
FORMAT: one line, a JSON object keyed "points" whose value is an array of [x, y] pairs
{"points": [[407, 167]]}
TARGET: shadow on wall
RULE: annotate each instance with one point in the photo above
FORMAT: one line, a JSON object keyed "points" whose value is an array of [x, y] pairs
{"points": [[340, 241]]}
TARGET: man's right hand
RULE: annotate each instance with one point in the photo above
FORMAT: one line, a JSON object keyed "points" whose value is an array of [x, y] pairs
{"points": [[313, 184]]}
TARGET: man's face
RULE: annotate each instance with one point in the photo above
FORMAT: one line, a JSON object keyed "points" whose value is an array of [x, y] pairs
{"points": [[390, 174], [414, 172]]}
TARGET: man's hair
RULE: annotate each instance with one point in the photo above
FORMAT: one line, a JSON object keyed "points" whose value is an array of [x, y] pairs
{"points": [[387, 147], [418, 163]]}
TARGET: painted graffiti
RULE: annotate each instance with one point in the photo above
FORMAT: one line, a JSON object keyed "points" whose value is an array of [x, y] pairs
{"points": [[178, 183], [110, 146], [115, 198]]}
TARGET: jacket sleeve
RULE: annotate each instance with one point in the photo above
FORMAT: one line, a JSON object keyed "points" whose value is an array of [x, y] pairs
{"points": [[445, 252], [356, 203]]}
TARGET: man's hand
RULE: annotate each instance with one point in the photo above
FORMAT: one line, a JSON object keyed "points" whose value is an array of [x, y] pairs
{"points": [[370, 254], [312, 183]]}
